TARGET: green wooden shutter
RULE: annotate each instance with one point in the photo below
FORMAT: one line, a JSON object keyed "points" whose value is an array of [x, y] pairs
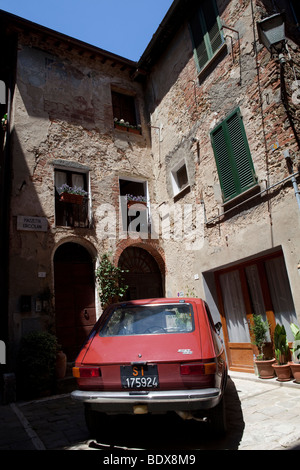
{"points": [[214, 36], [206, 33], [200, 50], [233, 158]]}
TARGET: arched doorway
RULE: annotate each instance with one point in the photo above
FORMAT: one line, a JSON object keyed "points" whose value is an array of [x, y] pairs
{"points": [[75, 312], [143, 278]]}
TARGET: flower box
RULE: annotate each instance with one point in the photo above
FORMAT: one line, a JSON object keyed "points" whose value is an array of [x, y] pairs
{"points": [[126, 127], [71, 198], [134, 131], [132, 203]]}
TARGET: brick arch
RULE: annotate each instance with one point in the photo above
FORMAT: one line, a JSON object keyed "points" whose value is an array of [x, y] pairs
{"points": [[145, 278], [151, 246]]}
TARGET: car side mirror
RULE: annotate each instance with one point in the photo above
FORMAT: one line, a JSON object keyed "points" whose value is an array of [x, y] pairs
{"points": [[218, 327]]}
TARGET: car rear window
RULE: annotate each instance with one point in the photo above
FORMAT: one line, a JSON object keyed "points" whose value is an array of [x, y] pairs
{"points": [[149, 319]]}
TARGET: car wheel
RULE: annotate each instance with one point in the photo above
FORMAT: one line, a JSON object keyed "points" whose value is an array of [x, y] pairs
{"points": [[96, 421], [217, 419]]}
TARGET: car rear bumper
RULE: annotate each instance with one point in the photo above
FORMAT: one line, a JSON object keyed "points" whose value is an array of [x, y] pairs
{"points": [[156, 400]]}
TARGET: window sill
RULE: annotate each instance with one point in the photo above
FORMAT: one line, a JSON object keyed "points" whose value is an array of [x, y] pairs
{"points": [[128, 129], [182, 192], [241, 198], [209, 64]]}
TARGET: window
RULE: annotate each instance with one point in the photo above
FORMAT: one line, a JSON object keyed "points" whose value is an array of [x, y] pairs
{"points": [[124, 112], [134, 207], [233, 158], [179, 177], [205, 27], [149, 319], [70, 214], [2, 92]]}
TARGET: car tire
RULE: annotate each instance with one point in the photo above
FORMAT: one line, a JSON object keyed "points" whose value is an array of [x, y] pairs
{"points": [[217, 419]]}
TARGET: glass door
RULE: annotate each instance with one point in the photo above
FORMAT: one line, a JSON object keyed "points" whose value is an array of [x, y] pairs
{"points": [[236, 312], [260, 287]]}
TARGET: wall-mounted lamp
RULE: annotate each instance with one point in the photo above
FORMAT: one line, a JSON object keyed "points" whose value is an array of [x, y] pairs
{"points": [[271, 33]]}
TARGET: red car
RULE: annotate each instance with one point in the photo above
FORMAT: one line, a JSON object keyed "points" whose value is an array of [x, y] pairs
{"points": [[153, 356]]}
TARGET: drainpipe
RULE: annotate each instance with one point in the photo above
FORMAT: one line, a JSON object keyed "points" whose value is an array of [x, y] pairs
{"points": [[294, 15], [289, 163]]}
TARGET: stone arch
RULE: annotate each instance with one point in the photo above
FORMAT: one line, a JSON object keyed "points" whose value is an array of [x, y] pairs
{"points": [[145, 271]]}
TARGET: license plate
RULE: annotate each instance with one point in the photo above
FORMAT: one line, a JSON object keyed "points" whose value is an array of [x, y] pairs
{"points": [[139, 376]]}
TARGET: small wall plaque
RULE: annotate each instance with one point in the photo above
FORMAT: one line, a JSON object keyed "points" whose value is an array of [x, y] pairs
{"points": [[34, 224]]}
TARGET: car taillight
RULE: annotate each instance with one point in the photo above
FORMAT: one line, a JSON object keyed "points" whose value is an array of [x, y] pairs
{"points": [[86, 372], [198, 369]]}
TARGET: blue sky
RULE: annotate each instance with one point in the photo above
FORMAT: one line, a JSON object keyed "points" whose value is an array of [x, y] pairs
{"points": [[124, 27]]}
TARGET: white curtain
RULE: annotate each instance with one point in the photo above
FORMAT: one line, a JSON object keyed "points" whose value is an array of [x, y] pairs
{"points": [[236, 320], [60, 179], [78, 181], [281, 294]]}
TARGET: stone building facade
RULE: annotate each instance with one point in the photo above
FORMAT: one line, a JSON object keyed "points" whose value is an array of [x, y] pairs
{"points": [[201, 128]]}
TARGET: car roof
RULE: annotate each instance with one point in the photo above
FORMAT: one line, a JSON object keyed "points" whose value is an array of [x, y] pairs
{"points": [[159, 300]]}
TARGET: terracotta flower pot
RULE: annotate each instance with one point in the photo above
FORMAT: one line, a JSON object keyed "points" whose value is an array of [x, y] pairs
{"points": [[61, 365], [133, 203], [72, 198], [295, 368], [283, 372], [265, 369], [134, 131]]}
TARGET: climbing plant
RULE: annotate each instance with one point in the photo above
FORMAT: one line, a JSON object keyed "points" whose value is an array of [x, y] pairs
{"points": [[110, 281]]}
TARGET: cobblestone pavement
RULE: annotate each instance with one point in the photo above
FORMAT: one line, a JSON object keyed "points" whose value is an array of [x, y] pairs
{"points": [[261, 415]]}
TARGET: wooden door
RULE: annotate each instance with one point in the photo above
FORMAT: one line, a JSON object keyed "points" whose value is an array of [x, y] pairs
{"points": [[257, 287], [243, 291], [74, 301], [234, 304], [142, 275]]}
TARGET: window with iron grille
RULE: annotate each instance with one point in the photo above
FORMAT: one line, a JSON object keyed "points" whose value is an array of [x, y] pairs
{"points": [[233, 157], [70, 214], [205, 28]]}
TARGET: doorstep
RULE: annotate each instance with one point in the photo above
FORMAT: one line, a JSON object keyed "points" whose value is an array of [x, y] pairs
{"points": [[247, 376]]}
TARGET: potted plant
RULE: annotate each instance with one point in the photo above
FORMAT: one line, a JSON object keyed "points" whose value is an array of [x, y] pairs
{"points": [[4, 122], [36, 364], [295, 363], [71, 194], [259, 329], [282, 350], [126, 126], [135, 200]]}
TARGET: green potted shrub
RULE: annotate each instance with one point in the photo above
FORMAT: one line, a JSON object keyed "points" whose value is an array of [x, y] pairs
{"points": [[36, 364], [295, 363], [281, 345], [259, 329]]}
